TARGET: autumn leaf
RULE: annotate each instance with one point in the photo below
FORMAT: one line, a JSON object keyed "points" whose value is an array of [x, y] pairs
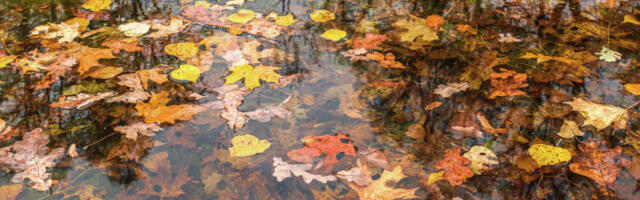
{"points": [[242, 16], [434, 21], [285, 20], [186, 73], [633, 88], [570, 129], [322, 16], [329, 145], [334, 34], [599, 163], [88, 57], [417, 31], [545, 154], [5, 60], [507, 83], [154, 75], [454, 166], [386, 61], [357, 175], [630, 19], [600, 115], [283, 170], [80, 101], [446, 90], [183, 50], [247, 145], [134, 29], [97, 5], [63, 32], [481, 158], [104, 72], [609, 55], [384, 187], [117, 45], [252, 76], [175, 25], [156, 110], [370, 41], [133, 130]]}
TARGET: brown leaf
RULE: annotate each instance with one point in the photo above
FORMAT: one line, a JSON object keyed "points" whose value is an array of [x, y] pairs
{"points": [[156, 110], [131, 131], [88, 57], [455, 166], [599, 163], [122, 44], [507, 83]]}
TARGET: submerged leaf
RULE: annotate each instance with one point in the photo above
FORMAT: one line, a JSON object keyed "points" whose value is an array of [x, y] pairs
{"points": [[481, 158]]}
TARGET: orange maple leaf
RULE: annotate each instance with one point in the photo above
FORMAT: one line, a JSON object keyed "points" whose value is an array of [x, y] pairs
{"points": [[156, 110], [117, 45], [88, 57], [330, 145], [455, 166], [599, 163], [370, 41], [154, 75]]}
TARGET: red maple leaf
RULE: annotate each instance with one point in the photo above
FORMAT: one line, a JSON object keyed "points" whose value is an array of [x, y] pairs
{"points": [[330, 145]]}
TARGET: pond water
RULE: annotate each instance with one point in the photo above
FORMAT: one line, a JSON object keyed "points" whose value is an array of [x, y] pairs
{"points": [[312, 99]]}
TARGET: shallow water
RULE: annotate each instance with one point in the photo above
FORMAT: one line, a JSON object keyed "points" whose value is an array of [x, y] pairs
{"points": [[395, 111]]}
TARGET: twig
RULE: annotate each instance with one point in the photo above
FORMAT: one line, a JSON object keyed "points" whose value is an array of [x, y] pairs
{"points": [[632, 106]]}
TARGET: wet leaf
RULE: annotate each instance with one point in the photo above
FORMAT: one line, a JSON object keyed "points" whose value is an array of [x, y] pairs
{"points": [[283, 170], [446, 90], [183, 50], [633, 88], [97, 5], [175, 25], [329, 145], [5, 60], [609, 55], [454, 166], [334, 34], [133, 130], [104, 72], [384, 187], [435, 177], [417, 31], [357, 175], [322, 16], [570, 129], [247, 145], [154, 75], [630, 19], [545, 154], [434, 21], [252, 76], [157, 111], [600, 115], [80, 101], [599, 163], [10, 192], [89, 57], [134, 29], [507, 83], [242, 16], [186, 73], [117, 45], [285, 20], [481, 159]]}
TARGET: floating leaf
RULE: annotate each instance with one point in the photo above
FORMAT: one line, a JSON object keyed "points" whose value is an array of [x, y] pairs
{"points": [[334, 34], [89, 57], [283, 170], [330, 145], [545, 154], [633, 88], [384, 187], [154, 75], [569, 130], [252, 76], [600, 115], [5, 60], [454, 166], [434, 21], [322, 16], [481, 158], [285, 20], [247, 145], [134, 29], [156, 110], [133, 130], [183, 50], [97, 5], [450, 88], [609, 55], [104, 72], [242, 16], [630, 19], [434, 177], [186, 72], [416, 30]]}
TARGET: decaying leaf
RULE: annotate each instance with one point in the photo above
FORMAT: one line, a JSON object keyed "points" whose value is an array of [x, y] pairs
{"points": [[599, 163], [88, 57], [80, 101], [357, 175], [507, 83], [454, 166], [481, 158], [247, 145], [156, 110], [545, 154], [446, 90], [133, 130], [417, 31], [283, 170], [600, 115], [386, 61]]}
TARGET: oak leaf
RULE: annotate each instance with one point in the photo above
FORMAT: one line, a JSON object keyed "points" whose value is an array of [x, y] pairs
{"points": [[247, 145], [599, 163], [157, 111], [283, 170], [455, 166]]}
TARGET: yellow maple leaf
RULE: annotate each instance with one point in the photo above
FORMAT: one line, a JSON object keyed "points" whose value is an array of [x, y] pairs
{"points": [[545, 154], [246, 145], [600, 115], [156, 110], [252, 76], [322, 16], [334, 34], [182, 50], [5, 60], [97, 5], [186, 72], [416, 30], [242, 16], [380, 189]]}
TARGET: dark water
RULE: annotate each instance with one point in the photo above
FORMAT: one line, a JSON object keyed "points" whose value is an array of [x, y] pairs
{"points": [[379, 108]]}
